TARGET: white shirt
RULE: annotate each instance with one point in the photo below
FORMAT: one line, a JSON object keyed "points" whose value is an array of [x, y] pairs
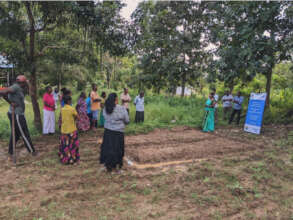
{"points": [[226, 100], [55, 96], [139, 103], [216, 97]]}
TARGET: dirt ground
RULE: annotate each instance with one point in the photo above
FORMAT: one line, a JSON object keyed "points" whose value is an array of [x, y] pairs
{"points": [[181, 173]]}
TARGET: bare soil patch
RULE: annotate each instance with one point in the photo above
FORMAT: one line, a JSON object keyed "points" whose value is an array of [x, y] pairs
{"points": [[167, 145], [186, 174]]}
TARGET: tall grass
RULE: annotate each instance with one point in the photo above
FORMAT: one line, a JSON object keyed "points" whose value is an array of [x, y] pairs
{"points": [[167, 112], [4, 121], [160, 112]]}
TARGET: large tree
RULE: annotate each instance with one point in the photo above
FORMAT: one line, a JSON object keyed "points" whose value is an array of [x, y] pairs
{"points": [[67, 35], [169, 37], [251, 38], [23, 25]]}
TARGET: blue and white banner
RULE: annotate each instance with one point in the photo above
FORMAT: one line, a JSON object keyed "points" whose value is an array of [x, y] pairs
{"points": [[254, 115]]}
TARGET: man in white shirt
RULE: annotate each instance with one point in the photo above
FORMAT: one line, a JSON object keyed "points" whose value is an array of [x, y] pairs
{"points": [[56, 96], [216, 97], [139, 104], [227, 104], [237, 107]]}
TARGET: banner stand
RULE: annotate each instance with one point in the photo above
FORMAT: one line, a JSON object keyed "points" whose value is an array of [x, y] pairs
{"points": [[255, 111]]}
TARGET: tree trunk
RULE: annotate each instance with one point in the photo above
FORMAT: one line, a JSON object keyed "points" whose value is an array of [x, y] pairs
{"points": [[32, 63], [101, 59], [268, 87], [108, 79], [183, 84], [59, 79], [173, 92], [231, 86], [34, 98], [158, 90]]}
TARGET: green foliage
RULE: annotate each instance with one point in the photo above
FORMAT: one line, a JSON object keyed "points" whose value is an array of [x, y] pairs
{"points": [[173, 43], [169, 36], [167, 112], [252, 39]]}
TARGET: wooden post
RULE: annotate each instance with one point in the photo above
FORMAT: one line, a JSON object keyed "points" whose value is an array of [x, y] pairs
{"points": [[13, 133]]}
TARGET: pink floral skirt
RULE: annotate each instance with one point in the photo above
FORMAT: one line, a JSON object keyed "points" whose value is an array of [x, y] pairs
{"points": [[69, 148], [83, 124]]}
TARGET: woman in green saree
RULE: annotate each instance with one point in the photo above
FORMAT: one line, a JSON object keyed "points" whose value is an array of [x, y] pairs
{"points": [[102, 119], [209, 119]]}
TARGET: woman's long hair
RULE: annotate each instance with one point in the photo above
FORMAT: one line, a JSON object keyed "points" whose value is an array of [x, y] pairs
{"points": [[110, 103], [82, 95]]}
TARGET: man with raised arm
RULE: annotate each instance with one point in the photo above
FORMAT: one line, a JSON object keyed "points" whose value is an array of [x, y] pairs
{"points": [[14, 95]]}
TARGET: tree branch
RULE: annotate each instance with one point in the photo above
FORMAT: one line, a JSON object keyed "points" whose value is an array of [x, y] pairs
{"points": [[42, 52], [30, 16], [46, 28], [24, 47]]}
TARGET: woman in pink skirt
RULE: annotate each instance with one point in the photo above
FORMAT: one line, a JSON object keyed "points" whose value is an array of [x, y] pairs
{"points": [[83, 124]]}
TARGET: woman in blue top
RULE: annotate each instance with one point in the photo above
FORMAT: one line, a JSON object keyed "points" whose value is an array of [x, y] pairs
{"points": [[209, 120], [89, 111]]}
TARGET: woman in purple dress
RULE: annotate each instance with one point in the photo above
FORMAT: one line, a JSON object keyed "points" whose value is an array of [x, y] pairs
{"points": [[83, 124]]}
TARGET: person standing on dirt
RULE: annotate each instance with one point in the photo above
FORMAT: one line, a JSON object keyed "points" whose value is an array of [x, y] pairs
{"points": [[209, 119], [139, 104], [95, 105], [125, 99], [69, 143], [237, 107], [227, 104], [14, 95], [112, 148], [102, 119], [216, 99], [83, 124], [49, 112], [89, 111], [65, 92]]}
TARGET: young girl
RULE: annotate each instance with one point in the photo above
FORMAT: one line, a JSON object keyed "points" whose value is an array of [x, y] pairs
{"points": [[69, 143]]}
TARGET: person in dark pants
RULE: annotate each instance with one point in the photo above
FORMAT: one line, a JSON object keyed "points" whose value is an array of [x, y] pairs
{"points": [[237, 107], [14, 95], [139, 104]]}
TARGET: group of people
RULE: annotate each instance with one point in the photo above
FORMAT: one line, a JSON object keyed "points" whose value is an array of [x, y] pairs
{"points": [[92, 111], [88, 113], [87, 108], [230, 104]]}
